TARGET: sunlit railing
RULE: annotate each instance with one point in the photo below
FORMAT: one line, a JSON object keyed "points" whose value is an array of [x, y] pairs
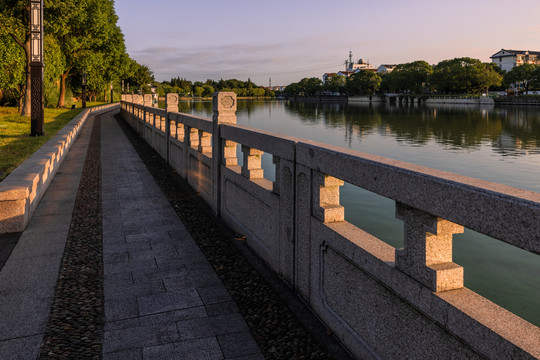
{"points": [[381, 302]]}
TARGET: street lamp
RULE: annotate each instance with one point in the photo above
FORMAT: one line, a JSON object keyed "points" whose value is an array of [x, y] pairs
{"points": [[83, 81], [36, 67], [112, 94]]}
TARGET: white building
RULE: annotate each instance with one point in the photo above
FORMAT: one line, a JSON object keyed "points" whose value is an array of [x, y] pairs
{"points": [[509, 59], [386, 68]]}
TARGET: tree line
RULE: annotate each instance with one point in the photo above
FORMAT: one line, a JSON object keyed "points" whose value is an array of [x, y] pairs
{"points": [[206, 89], [456, 76], [80, 37]]}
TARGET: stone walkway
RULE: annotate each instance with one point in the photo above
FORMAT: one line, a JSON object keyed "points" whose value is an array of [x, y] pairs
{"points": [[162, 298]]}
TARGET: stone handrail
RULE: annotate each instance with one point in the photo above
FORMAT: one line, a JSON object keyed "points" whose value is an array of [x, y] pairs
{"points": [[21, 191], [381, 302]]}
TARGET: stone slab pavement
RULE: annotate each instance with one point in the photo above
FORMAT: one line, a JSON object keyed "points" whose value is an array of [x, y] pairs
{"points": [[162, 298], [28, 277]]}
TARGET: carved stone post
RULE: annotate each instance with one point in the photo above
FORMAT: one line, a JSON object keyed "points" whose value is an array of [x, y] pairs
{"points": [[326, 205], [147, 99], [171, 105], [224, 108], [427, 255], [252, 168]]}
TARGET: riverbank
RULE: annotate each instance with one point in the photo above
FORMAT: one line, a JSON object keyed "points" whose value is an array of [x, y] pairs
{"points": [[527, 100]]}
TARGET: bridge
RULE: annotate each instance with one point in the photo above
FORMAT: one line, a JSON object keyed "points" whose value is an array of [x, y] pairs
{"points": [[379, 301]]}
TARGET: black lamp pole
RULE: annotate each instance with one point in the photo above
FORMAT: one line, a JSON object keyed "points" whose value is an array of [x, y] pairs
{"points": [[36, 67], [112, 93], [84, 89]]}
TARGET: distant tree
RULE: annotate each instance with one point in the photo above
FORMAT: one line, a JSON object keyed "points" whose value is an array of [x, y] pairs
{"points": [[198, 91], [363, 82], [535, 78], [335, 83], [523, 74], [463, 75], [310, 86], [208, 90], [408, 77]]}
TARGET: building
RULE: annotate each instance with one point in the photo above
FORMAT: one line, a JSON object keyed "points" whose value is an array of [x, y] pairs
{"points": [[509, 59], [327, 75], [386, 68]]}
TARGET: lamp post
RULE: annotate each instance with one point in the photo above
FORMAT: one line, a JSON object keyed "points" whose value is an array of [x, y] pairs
{"points": [[36, 67], [122, 86], [83, 81], [112, 94]]}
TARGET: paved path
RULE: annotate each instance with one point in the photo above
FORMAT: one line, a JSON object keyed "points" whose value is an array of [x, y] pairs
{"points": [[29, 276], [162, 298]]}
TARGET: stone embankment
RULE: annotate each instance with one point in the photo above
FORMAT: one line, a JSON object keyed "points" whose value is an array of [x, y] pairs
{"points": [[518, 100]]}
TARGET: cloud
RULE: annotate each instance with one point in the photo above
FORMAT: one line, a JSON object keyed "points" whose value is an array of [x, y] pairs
{"points": [[238, 60]]}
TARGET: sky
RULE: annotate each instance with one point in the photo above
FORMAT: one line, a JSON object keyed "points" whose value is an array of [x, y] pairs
{"points": [[289, 40]]}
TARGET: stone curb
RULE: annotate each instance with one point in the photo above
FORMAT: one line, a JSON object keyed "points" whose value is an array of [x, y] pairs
{"points": [[21, 191]]}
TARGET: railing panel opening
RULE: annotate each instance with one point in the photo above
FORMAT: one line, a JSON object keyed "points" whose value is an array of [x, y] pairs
{"points": [[490, 267], [372, 213]]}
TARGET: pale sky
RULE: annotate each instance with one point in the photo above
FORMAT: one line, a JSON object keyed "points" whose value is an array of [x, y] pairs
{"points": [[293, 39]]}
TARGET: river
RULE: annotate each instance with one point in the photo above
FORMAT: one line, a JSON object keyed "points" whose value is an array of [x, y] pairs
{"points": [[496, 144]]}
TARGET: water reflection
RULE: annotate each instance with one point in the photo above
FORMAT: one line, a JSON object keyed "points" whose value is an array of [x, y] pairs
{"points": [[511, 131]]}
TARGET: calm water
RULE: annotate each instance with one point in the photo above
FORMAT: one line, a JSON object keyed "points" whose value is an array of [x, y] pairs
{"points": [[495, 144]]}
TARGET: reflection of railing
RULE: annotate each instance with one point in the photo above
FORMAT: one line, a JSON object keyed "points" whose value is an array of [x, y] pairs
{"points": [[380, 301]]}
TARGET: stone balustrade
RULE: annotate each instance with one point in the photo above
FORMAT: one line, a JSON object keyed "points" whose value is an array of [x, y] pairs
{"points": [[21, 191], [381, 302]]}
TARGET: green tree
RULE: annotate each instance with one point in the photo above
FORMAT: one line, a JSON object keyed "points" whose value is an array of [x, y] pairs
{"points": [[198, 91], [535, 78], [463, 75], [83, 30], [13, 64], [408, 77], [14, 23], [335, 83], [523, 74], [363, 82]]}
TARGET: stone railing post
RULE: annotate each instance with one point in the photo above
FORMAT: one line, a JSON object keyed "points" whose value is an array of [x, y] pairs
{"points": [[171, 105], [147, 99], [224, 112], [138, 99], [326, 205], [427, 254], [252, 168]]}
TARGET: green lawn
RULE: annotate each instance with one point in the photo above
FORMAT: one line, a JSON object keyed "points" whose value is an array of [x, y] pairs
{"points": [[15, 143]]}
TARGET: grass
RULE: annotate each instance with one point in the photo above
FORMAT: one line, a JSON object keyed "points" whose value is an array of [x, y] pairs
{"points": [[16, 144]]}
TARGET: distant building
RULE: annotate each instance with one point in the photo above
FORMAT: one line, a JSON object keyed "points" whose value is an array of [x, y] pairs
{"points": [[327, 75], [275, 88], [345, 73], [509, 59], [386, 68]]}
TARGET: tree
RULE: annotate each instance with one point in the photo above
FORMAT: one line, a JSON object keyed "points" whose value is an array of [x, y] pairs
{"points": [[13, 64], [83, 30], [463, 75], [363, 82], [408, 77], [535, 78], [335, 83], [14, 23], [523, 74]]}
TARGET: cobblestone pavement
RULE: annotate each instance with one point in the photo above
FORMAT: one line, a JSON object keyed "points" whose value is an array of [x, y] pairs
{"points": [[162, 298]]}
